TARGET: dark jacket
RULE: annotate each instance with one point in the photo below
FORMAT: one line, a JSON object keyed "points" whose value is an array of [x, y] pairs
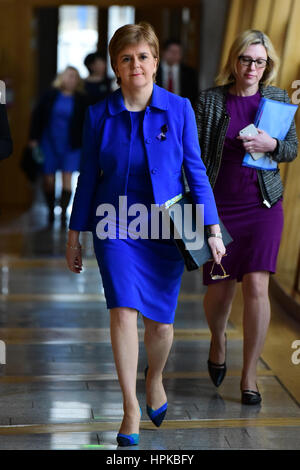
{"points": [[188, 82], [42, 113], [6, 146], [97, 91], [213, 121]]}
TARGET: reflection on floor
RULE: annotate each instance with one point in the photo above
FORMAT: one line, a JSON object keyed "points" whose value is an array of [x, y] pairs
{"points": [[58, 389]]}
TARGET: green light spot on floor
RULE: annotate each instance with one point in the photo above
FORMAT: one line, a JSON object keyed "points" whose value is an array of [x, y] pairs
{"points": [[93, 445]]}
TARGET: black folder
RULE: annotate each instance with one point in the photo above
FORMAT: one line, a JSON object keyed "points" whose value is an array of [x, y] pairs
{"points": [[193, 258]]}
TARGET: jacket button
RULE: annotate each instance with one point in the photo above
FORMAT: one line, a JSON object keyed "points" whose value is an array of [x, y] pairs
{"points": [[148, 141], [154, 170]]}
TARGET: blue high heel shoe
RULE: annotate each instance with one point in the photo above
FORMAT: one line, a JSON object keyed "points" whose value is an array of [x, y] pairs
{"points": [[126, 440], [156, 416]]}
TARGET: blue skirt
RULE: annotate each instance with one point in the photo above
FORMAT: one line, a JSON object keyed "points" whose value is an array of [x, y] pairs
{"points": [[143, 274]]}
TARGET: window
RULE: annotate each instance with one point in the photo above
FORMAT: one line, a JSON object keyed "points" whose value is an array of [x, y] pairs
{"points": [[77, 36]]}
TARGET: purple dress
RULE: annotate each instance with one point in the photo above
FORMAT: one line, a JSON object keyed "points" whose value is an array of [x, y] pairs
{"points": [[255, 229]]}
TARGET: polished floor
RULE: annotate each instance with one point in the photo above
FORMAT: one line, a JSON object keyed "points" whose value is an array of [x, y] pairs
{"points": [[58, 388]]}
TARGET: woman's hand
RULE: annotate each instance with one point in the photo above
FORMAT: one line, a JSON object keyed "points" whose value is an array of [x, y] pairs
{"points": [[74, 259], [261, 142], [216, 244], [73, 252], [217, 248]]}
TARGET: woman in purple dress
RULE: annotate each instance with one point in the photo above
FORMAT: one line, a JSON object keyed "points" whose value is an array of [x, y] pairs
{"points": [[249, 200]]}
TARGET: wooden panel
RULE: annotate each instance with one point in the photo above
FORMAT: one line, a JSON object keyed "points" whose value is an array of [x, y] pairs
{"points": [[290, 59], [288, 73], [284, 26], [288, 25], [15, 32], [231, 31], [277, 31], [106, 3], [287, 260], [245, 20], [239, 19], [261, 14], [279, 19]]}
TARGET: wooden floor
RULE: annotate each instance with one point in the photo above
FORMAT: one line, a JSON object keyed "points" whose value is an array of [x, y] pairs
{"points": [[58, 389]]}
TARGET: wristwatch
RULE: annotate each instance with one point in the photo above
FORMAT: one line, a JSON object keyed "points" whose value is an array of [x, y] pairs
{"points": [[217, 235]]}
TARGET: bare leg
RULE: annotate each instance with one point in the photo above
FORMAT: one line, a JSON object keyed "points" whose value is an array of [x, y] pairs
{"points": [[49, 182], [66, 180], [158, 342], [256, 321], [217, 306], [125, 345]]}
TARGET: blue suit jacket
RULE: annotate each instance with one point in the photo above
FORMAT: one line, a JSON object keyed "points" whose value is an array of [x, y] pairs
{"points": [[106, 154]]}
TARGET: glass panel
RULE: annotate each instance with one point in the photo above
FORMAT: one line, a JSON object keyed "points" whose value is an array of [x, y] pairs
{"points": [[77, 36]]}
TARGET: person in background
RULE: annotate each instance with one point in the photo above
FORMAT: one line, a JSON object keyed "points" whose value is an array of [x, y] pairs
{"points": [[249, 200], [135, 143], [97, 85], [173, 75], [56, 128]]}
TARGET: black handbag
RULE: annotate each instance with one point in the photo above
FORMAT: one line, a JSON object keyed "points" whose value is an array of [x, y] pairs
{"points": [[193, 258]]}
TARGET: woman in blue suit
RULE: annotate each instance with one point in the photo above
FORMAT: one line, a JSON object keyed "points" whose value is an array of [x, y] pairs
{"points": [[135, 143]]}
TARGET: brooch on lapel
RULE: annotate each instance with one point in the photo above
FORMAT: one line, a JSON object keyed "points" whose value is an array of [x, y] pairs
{"points": [[162, 135]]}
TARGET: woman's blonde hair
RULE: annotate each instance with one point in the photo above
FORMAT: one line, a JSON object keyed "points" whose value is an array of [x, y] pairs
{"points": [[58, 81], [133, 34], [244, 40]]}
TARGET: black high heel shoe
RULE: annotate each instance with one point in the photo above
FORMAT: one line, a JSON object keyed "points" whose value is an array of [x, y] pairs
{"points": [[250, 397], [217, 372]]}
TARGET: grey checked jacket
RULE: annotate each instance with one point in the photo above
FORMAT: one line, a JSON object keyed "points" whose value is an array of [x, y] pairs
{"points": [[212, 123]]}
